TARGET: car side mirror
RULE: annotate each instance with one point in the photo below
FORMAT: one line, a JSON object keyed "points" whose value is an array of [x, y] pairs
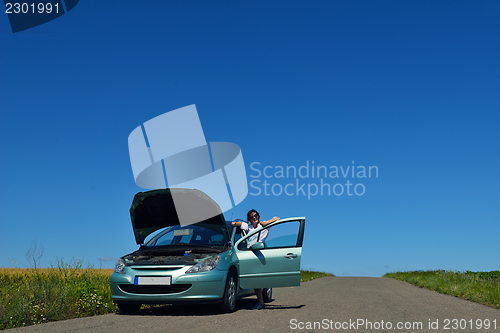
{"points": [[257, 246]]}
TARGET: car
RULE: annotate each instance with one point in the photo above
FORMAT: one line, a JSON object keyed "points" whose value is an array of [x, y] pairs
{"points": [[202, 262]]}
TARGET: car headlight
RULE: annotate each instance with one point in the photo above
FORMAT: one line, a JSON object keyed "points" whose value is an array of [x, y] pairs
{"points": [[205, 265], [120, 266]]}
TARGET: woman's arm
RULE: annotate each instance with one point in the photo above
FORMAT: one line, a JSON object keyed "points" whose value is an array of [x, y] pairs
{"points": [[264, 223]]}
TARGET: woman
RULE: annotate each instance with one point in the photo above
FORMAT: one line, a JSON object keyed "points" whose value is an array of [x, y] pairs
{"points": [[254, 218]]}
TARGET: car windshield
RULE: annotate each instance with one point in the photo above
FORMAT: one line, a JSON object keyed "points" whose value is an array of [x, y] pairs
{"points": [[189, 234]]}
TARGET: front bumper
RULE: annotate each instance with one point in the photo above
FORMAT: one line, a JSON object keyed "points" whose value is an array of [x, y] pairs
{"points": [[196, 287]]}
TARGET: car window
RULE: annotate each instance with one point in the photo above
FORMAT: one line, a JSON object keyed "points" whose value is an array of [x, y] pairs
{"points": [[186, 239], [279, 236], [187, 235], [173, 236], [165, 240], [238, 234], [283, 235]]}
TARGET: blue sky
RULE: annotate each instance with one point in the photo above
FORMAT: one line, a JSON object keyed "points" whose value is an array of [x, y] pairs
{"points": [[409, 87]]}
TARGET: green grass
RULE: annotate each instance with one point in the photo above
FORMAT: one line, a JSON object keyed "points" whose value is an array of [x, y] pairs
{"points": [[311, 275], [31, 297], [37, 296], [479, 287]]}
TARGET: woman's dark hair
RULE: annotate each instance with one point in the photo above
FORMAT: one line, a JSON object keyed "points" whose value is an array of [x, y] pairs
{"points": [[250, 213]]}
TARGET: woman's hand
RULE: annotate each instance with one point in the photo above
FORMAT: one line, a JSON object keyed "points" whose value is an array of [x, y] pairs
{"points": [[263, 223]]}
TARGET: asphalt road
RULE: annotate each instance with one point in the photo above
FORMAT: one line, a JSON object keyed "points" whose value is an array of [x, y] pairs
{"points": [[336, 304]]}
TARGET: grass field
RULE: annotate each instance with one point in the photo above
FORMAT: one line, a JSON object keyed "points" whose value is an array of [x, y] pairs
{"points": [[311, 275], [479, 287], [31, 297]]}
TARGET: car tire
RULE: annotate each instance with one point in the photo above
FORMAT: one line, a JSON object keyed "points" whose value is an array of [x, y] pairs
{"points": [[229, 299], [267, 295], [129, 308]]}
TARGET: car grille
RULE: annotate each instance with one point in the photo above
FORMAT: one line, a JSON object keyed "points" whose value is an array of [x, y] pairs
{"points": [[148, 289]]}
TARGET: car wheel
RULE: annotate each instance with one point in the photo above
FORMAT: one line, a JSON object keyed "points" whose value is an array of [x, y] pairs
{"points": [[128, 308], [267, 295], [229, 299]]}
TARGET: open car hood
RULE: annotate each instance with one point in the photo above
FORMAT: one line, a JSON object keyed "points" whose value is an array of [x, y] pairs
{"points": [[154, 210]]}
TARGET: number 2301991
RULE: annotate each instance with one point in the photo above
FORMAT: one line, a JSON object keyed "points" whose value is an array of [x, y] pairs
{"points": [[33, 8]]}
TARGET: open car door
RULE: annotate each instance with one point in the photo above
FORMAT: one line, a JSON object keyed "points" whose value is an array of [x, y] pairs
{"points": [[275, 262]]}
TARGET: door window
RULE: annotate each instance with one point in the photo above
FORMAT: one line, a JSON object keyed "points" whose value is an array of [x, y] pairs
{"points": [[281, 235]]}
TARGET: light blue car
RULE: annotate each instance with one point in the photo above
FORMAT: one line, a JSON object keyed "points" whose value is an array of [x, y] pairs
{"points": [[203, 262]]}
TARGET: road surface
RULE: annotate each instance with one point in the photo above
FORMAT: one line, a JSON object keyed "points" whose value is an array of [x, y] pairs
{"points": [[330, 304]]}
